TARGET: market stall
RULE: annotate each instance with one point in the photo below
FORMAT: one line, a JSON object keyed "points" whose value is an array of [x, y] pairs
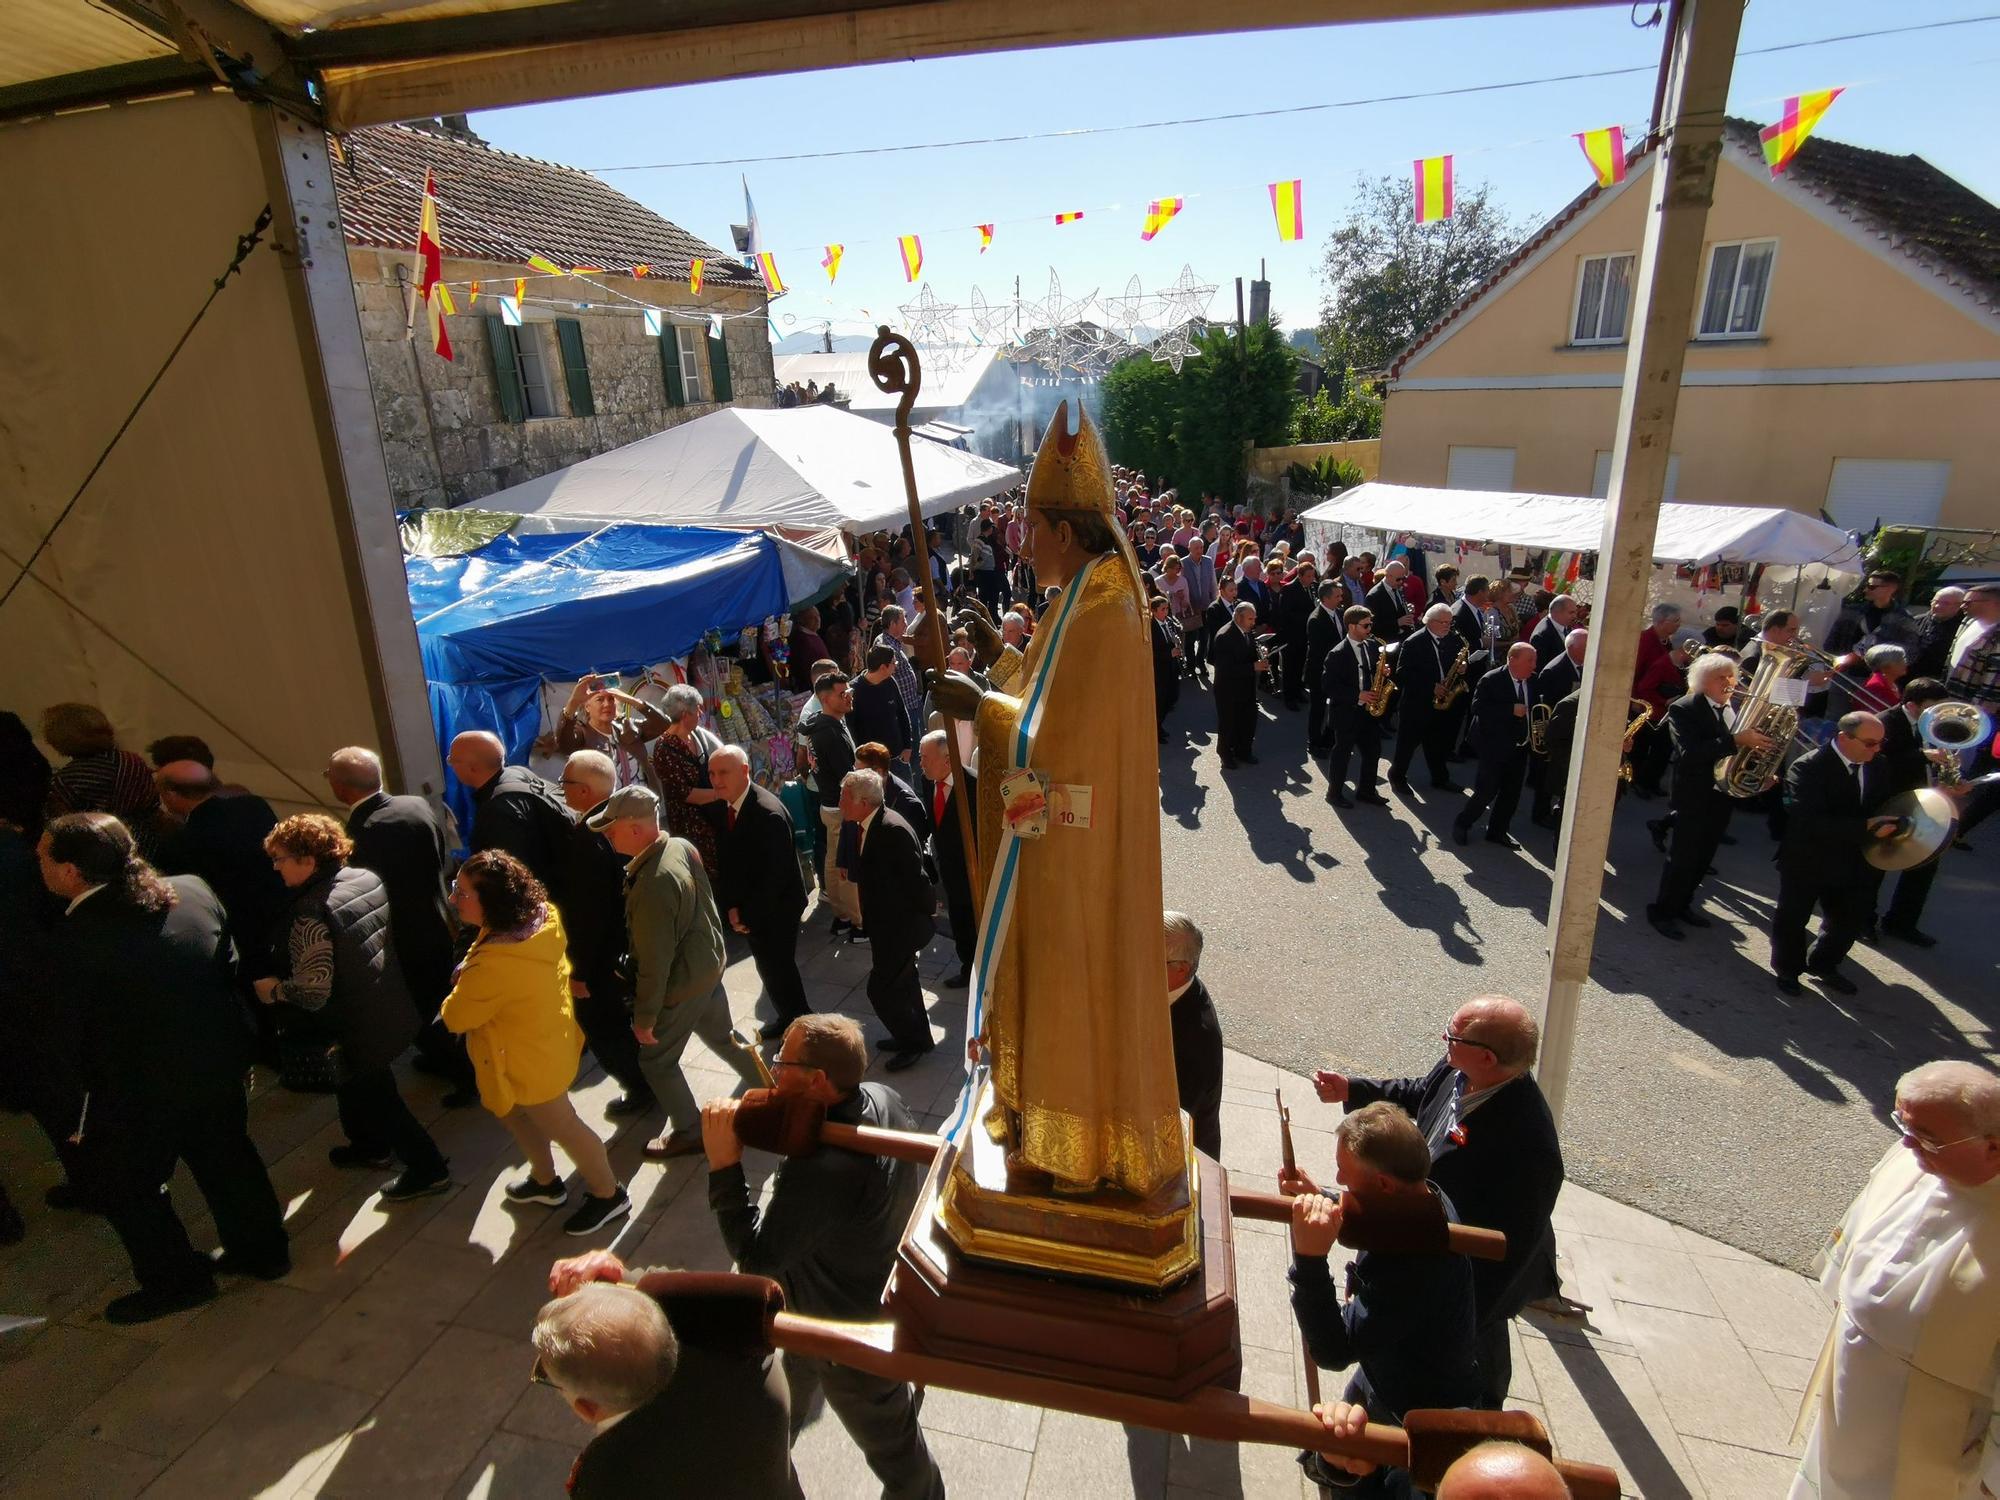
{"points": [[1704, 555]]}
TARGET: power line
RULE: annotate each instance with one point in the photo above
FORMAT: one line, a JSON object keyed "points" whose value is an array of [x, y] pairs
{"points": [[1265, 114]]}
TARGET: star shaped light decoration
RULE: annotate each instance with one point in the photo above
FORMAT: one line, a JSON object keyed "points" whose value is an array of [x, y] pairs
{"points": [[1174, 346], [933, 327], [987, 324], [1059, 337], [1186, 300], [1123, 315]]}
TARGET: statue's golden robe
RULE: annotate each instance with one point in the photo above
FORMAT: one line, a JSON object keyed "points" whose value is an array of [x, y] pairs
{"points": [[1076, 1009]]}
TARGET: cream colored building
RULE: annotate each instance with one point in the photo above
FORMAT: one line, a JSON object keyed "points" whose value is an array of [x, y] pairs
{"points": [[1844, 356]]}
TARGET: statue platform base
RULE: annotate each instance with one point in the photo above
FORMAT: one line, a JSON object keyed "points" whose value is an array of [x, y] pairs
{"points": [[1167, 1344]]}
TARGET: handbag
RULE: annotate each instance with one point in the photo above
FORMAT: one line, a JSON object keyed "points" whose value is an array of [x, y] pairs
{"points": [[310, 1061]]}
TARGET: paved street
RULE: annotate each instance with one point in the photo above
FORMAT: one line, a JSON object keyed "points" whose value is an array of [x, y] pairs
{"points": [[1701, 1095]]}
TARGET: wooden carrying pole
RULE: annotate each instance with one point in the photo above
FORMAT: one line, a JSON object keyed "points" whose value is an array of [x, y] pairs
{"points": [[894, 367]]}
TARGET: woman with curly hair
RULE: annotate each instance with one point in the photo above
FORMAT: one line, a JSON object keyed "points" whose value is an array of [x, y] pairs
{"points": [[680, 760], [511, 1000], [98, 776], [342, 982]]}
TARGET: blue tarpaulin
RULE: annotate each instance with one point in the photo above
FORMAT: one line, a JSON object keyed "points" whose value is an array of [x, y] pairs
{"points": [[495, 622]]}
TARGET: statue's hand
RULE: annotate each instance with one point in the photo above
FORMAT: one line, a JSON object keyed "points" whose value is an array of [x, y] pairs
{"points": [[968, 603], [956, 695], [986, 642]]}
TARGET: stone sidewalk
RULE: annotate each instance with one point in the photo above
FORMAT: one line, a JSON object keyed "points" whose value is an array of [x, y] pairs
{"points": [[394, 1359]]}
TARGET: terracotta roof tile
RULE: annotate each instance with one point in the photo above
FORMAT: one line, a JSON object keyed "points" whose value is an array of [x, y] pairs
{"points": [[494, 205]]}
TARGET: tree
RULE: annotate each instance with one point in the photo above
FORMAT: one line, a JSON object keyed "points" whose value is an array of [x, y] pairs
{"points": [[1141, 405], [1357, 414], [1388, 278]]}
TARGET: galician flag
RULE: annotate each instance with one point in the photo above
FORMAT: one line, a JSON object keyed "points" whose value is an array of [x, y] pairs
{"points": [[1800, 116], [430, 270], [1605, 150], [1433, 189], [1288, 206], [913, 256], [832, 261], [1158, 214]]}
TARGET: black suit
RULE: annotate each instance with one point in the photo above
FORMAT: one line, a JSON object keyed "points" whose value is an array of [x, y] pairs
{"points": [[896, 909], [1500, 737], [1258, 593], [1388, 606], [1348, 671], [1324, 631], [1907, 768], [1295, 608], [1701, 809], [1548, 639], [1421, 664], [1470, 624], [1504, 1173], [1554, 681], [1820, 859], [1232, 657], [520, 814], [594, 922], [222, 844], [1198, 1065], [760, 886], [164, 1047], [1214, 620], [947, 852]]}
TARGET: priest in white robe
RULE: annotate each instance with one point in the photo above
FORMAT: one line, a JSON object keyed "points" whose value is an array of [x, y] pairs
{"points": [[1903, 1399]]}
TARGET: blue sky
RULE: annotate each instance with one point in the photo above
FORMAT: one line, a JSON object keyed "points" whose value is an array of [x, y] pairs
{"points": [[1918, 93]]}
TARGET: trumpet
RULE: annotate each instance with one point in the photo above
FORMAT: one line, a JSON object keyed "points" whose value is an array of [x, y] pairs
{"points": [[1538, 728], [1639, 721], [1452, 688]]}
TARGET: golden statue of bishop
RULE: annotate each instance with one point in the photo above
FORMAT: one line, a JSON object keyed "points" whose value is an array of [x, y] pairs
{"points": [[1070, 977]]}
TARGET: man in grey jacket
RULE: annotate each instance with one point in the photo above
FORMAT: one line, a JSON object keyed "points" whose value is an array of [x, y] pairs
{"points": [[677, 961]]}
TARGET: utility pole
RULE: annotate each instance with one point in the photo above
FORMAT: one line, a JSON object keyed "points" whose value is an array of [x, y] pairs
{"points": [[1695, 70]]}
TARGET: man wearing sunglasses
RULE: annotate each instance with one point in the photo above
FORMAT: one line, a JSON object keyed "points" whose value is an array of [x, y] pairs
{"points": [[1831, 799], [1494, 1153], [1903, 1395]]}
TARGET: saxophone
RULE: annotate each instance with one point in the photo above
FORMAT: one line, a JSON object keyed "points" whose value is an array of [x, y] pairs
{"points": [[1751, 772], [1382, 687], [1452, 688], [1639, 722]]}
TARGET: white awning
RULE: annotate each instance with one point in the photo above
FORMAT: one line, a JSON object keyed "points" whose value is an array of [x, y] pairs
{"points": [[1575, 523], [804, 470]]}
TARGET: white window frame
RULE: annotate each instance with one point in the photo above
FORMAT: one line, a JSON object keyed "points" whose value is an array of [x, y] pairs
{"points": [[538, 397], [1576, 299], [1708, 275], [692, 343]]}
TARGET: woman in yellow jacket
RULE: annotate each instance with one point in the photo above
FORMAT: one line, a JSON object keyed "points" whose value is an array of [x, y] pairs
{"points": [[511, 999]]}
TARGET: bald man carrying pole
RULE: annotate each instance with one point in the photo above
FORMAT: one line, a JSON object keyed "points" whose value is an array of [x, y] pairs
{"points": [[1494, 1152]]}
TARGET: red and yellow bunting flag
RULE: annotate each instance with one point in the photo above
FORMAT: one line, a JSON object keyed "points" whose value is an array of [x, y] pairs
{"points": [[985, 238], [913, 256], [832, 261], [444, 299], [767, 267], [1288, 206], [1800, 115], [694, 275], [430, 271], [586, 270], [1433, 184], [1069, 218], [1158, 213], [1605, 150], [520, 287], [641, 272], [543, 264], [475, 293]]}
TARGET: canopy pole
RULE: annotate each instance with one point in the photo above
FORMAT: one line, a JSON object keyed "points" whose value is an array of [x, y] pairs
{"points": [[1699, 56]]}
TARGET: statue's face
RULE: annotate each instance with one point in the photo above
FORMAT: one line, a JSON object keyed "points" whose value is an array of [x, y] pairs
{"points": [[1051, 549]]}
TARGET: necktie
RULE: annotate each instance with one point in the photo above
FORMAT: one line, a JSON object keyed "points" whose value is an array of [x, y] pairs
{"points": [[1855, 767], [732, 819], [938, 795]]}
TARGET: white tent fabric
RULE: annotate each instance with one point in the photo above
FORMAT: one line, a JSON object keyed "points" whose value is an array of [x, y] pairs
{"points": [[1575, 523], [803, 470]]}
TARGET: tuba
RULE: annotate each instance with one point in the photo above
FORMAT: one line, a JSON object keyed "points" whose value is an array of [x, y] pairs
{"points": [[1953, 727], [1751, 772], [1452, 688]]}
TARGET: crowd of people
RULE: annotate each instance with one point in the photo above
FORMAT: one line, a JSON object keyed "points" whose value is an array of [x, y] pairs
{"points": [[179, 931]]}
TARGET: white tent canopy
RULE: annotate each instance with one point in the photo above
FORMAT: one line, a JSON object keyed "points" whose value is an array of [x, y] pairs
{"points": [[1697, 534], [808, 470]]}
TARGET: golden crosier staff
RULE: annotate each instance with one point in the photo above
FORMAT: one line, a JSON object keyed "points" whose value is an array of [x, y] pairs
{"points": [[894, 367]]}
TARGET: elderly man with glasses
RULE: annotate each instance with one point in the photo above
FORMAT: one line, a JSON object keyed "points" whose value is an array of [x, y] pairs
{"points": [[1494, 1153], [1904, 1393]]}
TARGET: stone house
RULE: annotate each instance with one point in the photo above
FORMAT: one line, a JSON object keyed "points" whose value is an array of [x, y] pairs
{"points": [[583, 372]]}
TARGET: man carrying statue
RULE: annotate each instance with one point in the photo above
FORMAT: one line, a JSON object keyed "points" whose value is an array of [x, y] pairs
{"points": [[1068, 979]]}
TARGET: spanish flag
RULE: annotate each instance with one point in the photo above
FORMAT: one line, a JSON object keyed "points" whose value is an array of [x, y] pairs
{"points": [[520, 288], [832, 261], [985, 238], [430, 271], [475, 294], [640, 272], [1069, 218], [1158, 213], [543, 264], [694, 275], [1288, 206], [1605, 150], [1433, 182], [767, 267], [1801, 114], [913, 256]]}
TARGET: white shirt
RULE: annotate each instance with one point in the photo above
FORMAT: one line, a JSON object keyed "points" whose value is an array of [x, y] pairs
{"points": [[82, 896], [736, 804]]}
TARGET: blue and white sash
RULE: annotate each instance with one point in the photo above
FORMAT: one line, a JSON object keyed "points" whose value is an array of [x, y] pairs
{"points": [[996, 922]]}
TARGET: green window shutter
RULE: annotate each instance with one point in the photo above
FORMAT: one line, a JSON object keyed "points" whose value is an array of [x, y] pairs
{"points": [[576, 371], [718, 367], [670, 365], [506, 369]]}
